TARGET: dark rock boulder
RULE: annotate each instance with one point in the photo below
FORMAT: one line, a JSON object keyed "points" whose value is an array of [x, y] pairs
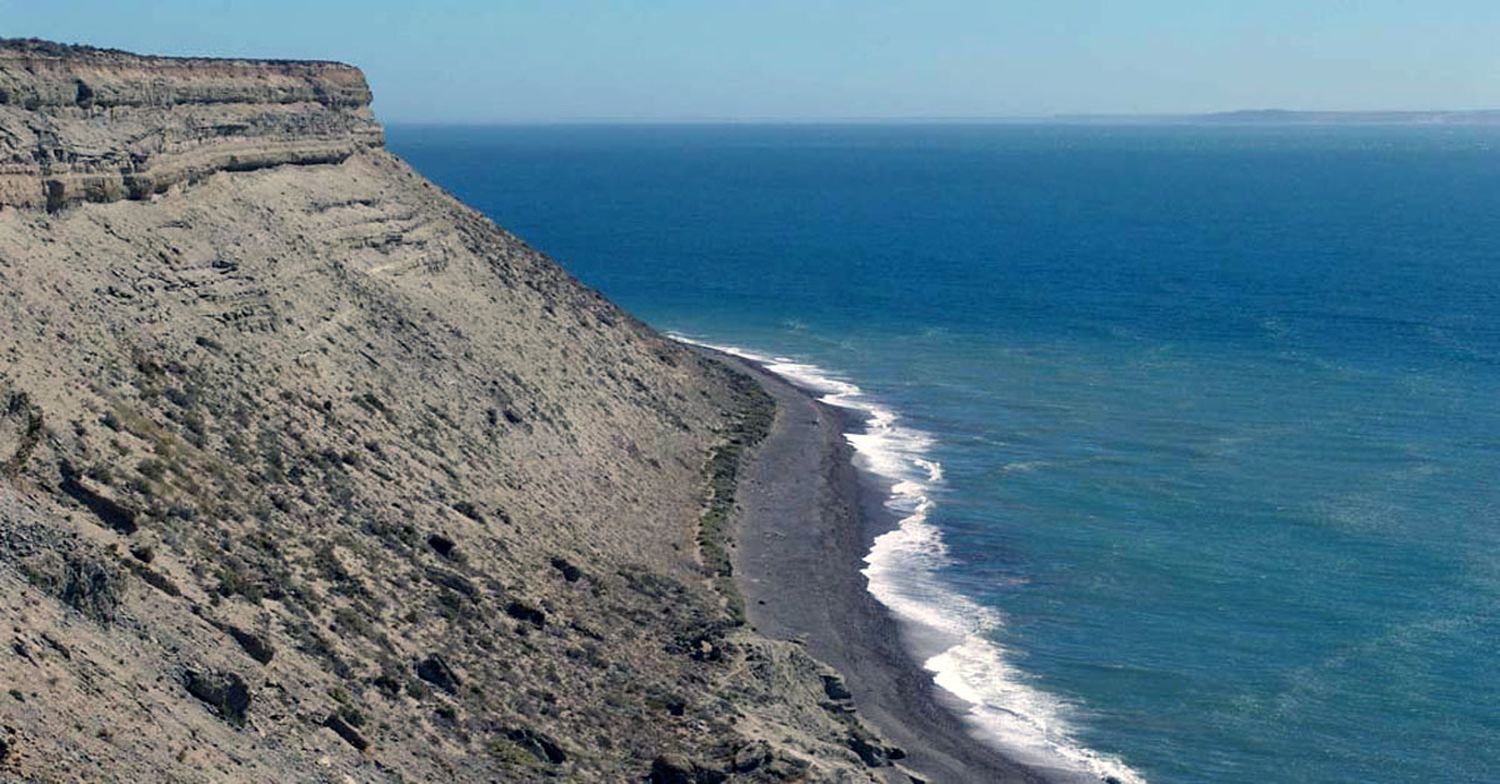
{"points": [[469, 510], [785, 767], [671, 769], [451, 581], [224, 692], [569, 572], [442, 545], [345, 730], [835, 688], [525, 612], [752, 757], [435, 670], [871, 750], [706, 643], [677, 769], [78, 579], [153, 578], [111, 513], [537, 744], [255, 645], [387, 684]]}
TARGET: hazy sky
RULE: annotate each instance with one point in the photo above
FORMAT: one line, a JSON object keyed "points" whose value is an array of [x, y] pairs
{"points": [[523, 60]]}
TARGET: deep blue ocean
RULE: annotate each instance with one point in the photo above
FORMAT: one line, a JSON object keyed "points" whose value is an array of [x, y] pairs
{"points": [[1202, 421]]}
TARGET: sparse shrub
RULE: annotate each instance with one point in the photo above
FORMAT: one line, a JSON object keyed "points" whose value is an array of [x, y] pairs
{"points": [[351, 622], [152, 469], [27, 422], [236, 580], [509, 753]]}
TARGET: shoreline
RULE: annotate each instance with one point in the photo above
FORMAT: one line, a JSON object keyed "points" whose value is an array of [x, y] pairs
{"points": [[807, 518]]}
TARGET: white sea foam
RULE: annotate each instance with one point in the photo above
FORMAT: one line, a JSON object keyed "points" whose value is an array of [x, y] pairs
{"points": [[903, 568]]}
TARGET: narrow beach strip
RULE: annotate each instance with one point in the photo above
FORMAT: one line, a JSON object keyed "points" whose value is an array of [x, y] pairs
{"points": [[834, 548]]}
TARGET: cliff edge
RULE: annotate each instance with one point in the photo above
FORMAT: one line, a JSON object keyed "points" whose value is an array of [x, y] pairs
{"points": [[309, 472], [81, 124]]}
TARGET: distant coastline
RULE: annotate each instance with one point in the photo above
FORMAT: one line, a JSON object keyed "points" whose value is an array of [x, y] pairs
{"points": [[1291, 117]]}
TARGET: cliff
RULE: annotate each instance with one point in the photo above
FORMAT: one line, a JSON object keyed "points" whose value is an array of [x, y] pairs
{"points": [[309, 472], [80, 124]]}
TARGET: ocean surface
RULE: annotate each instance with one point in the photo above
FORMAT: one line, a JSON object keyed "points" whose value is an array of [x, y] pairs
{"points": [[1195, 431]]}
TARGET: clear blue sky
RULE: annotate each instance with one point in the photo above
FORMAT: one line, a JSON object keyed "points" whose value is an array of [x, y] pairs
{"points": [[524, 60]]}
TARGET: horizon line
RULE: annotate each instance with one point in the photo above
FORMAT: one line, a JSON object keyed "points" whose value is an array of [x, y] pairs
{"points": [[1456, 117]]}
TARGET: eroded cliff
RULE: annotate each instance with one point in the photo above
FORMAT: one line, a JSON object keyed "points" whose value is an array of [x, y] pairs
{"points": [[309, 472], [79, 124]]}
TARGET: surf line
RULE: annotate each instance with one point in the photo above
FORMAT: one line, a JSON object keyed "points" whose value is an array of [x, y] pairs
{"points": [[903, 569]]}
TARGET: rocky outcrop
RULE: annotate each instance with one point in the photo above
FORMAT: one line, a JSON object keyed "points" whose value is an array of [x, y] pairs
{"points": [[80, 124]]}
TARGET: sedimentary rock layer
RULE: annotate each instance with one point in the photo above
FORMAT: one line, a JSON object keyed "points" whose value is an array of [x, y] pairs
{"points": [[80, 124]]}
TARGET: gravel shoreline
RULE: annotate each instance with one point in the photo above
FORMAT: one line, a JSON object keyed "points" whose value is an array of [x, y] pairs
{"points": [[806, 521]]}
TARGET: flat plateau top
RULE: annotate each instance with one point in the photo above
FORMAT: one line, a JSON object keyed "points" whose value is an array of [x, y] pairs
{"points": [[14, 48]]}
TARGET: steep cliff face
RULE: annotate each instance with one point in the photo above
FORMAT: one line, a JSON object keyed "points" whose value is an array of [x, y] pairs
{"points": [[309, 472], [80, 124]]}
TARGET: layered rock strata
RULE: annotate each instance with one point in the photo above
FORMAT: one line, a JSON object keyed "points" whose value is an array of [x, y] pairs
{"points": [[80, 124]]}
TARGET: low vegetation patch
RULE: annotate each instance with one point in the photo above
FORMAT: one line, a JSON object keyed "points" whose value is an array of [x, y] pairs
{"points": [[715, 530]]}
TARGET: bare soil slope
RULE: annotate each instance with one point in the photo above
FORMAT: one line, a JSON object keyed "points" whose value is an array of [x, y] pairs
{"points": [[309, 472]]}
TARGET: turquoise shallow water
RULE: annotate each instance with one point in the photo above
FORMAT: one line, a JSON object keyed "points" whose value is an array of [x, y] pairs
{"points": [[1215, 408]]}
